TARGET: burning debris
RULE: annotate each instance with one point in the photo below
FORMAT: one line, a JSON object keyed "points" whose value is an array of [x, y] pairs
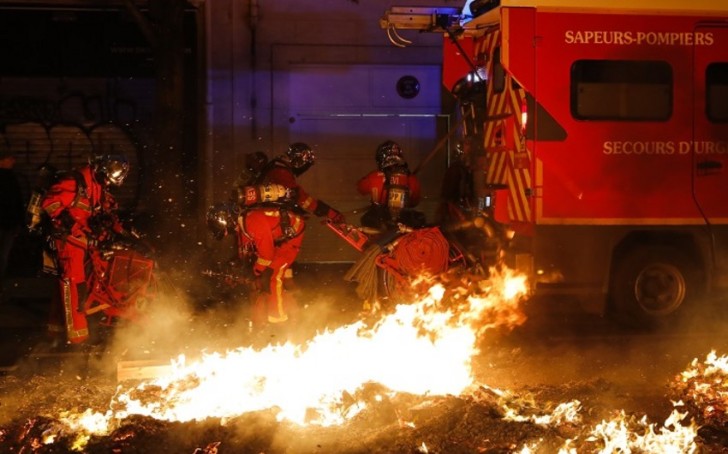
{"points": [[702, 389], [402, 384]]}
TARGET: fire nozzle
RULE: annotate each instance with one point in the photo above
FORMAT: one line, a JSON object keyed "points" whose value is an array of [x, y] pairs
{"points": [[352, 235], [485, 224]]}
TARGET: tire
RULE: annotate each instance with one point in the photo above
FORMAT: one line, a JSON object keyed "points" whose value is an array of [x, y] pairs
{"points": [[654, 285]]}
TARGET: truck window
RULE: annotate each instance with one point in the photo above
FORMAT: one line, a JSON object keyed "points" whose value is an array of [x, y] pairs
{"points": [[716, 83], [621, 90]]}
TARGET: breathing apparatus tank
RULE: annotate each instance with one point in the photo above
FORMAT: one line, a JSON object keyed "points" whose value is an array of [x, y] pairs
{"points": [[397, 190], [266, 193], [47, 175]]}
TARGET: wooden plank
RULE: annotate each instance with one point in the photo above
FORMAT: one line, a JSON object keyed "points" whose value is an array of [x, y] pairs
{"points": [[8, 369], [141, 370]]}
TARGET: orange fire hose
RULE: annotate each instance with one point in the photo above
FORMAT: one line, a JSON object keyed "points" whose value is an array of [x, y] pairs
{"points": [[421, 251]]}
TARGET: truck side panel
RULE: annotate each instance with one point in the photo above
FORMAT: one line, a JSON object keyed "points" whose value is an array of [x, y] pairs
{"points": [[638, 160], [613, 172]]}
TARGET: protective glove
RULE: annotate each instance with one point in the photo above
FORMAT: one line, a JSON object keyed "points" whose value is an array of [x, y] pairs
{"points": [[258, 269], [262, 280], [335, 216], [259, 284]]}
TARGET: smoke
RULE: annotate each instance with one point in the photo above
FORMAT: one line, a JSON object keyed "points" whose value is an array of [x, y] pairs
{"points": [[176, 323], [203, 316]]}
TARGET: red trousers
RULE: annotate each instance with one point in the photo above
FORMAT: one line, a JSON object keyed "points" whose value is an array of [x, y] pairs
{"points": [[275, 253], [72, 278]]}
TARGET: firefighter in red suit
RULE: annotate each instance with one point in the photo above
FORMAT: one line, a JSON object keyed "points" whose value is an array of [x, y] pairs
{"points": [[276, 236], [272, 233], [272, 227], [72, 204], [393, 191], [283, 171]]}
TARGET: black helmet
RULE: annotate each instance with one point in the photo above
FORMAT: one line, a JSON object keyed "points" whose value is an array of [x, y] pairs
{"points": [[389, 154], [301, 157], [221, 219], [110, 169]]}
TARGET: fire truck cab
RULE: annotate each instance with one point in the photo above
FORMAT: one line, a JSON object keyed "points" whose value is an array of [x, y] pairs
{"points": [[607, 124]]}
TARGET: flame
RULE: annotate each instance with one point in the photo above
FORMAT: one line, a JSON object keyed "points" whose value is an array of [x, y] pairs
{"points": [[621, 434], [524, 408], [422, 348], [705, 387]]}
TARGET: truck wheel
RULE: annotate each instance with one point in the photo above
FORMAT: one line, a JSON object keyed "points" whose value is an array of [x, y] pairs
{"points": [[654, 285]]}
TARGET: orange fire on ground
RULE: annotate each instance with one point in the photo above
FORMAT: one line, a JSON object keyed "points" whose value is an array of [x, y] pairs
{"points": [[423, 348], [622, 433]]}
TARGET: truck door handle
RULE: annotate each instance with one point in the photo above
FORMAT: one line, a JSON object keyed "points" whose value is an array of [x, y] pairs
{"points": [[710, 165]]}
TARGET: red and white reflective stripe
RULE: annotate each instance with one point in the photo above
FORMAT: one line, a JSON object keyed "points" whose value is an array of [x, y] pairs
{"points": [[280, 310], [502, 129]]}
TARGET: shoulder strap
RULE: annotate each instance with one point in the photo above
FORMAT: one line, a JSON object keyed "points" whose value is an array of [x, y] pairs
{"points": [[267, 168], [80, 186]]}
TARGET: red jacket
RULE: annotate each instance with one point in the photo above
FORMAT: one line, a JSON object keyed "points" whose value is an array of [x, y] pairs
{"points": [[71, 203], [263, 228], [373, 184]]}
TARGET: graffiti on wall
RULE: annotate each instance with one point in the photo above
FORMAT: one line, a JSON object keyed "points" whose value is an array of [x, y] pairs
{"points": [[67, 131]]}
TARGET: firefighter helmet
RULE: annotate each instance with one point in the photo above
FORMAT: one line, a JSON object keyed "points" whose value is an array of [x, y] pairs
{"points": [[110, 169], [389, 154], [221, 219], [301, 157]]}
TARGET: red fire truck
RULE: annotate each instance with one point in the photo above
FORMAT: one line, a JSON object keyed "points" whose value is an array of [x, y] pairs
{"points": [[606, 122]]}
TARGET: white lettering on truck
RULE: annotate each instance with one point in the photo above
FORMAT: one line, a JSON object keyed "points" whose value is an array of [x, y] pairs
{"points": [[711, 147], [663, 148], [626, 38], [638, 148]]}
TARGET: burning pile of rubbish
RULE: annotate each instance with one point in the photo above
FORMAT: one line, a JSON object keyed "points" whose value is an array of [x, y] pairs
{"points": [[702, 389], [402, 384]]}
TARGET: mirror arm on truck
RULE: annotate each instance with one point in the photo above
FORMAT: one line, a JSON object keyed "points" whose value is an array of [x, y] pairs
{"points": [[424, 19]]}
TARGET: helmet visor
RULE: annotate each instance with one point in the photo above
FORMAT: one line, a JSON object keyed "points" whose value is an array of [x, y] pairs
{"points": [[117, 172], [220, 220], [303, 158]]}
